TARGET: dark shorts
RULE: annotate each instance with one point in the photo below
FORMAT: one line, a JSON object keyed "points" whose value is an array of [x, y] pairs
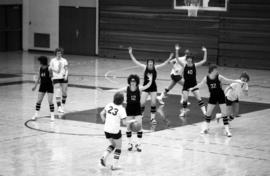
{"points": [[55, 81], [152, 88], [176, 78], [188, 85], [133, 110], [229, 102], [217, 98], [46, 88], [113, 136]]}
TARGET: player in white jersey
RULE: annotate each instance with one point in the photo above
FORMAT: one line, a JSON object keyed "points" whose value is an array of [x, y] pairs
{"points": [[233, 93], [176, 74], [112, 115], [59, 68]]}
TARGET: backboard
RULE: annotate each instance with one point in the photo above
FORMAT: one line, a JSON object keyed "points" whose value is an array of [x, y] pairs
{"points": [[205, 5]]}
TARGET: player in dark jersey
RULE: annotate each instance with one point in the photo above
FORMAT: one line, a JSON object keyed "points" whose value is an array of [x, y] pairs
{"points": [[133, 107], [46, 86], [149, 69], [214, 82], [189, 75]]}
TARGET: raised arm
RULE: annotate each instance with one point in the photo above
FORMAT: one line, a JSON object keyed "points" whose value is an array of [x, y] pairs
{"points": [[177, 48], [200, 84], [225, 80], [204, 58], [130, 51], [166, 62]]}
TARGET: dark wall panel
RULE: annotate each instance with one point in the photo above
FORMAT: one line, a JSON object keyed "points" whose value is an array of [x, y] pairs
{"points": [[152, 27]]}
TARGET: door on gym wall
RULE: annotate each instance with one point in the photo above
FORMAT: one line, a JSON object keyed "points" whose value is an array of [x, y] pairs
{"points": [[77, 30]]}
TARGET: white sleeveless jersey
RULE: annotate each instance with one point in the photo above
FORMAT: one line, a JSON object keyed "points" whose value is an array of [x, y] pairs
{"points": [[177, 68], [54, 64], [235, 90], [114, 114]]}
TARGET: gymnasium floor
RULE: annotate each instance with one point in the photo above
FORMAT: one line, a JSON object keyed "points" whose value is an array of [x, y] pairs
{"points": [[73, 148]]}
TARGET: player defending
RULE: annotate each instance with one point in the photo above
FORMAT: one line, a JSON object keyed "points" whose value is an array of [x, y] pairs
{"points": [[233, 93], [214, 82], [46, 86], [59, 68], [176, 74], [191, 81], [149, 71], [112, 115]]}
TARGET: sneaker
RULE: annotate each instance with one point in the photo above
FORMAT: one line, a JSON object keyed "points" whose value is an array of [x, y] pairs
{"points": [[228, 133], [205, 131], [52, 117], [137, 146], [130, 146], [182, 113], [115, 167], [60, 110], [160, 100], [34, 117], [102, 162]]}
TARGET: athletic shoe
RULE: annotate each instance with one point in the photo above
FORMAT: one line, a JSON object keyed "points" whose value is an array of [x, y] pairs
{"points": [[60, 110], [227, 133], [205, 131], [52, 117], [102, 162], [182, 113], [130, 146], [137, 146], [34, 117], [160, 100]]}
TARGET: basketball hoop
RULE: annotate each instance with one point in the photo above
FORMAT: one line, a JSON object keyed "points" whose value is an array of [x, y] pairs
{"points": [[192, 7], [193, 11]]}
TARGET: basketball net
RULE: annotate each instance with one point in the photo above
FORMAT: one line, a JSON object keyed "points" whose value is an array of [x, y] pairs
{"points": [[192, 7]]}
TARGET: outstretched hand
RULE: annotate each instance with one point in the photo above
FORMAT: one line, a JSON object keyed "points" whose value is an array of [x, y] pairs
{"points": [[177, 47], [130, 49], [204, 48]]}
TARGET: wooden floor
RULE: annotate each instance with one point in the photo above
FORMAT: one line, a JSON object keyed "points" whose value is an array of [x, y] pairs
{"points": [[74, 148]]}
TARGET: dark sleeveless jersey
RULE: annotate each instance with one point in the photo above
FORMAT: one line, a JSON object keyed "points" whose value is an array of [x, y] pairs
{"points": [[190, 74], [153, 86], [45, 77], [133, 97], [214, 85]]}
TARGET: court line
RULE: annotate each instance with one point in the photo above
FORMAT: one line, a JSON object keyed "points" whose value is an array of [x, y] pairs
{"points": [[116, 70]]}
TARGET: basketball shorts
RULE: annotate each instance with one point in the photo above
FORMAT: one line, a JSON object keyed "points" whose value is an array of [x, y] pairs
{"points": [[230, 102], [55, 81], [48, 87], [187, 85], [133, 110], [217, 98], [176, 78], [112, 135]]}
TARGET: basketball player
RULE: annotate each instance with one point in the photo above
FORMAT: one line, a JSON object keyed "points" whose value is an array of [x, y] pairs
{"points": [[149, 69], [46, 86], [214, 82], [112, 115], [133, 107], [176, 74], [59, 68], [233, 93], [191, 81]]}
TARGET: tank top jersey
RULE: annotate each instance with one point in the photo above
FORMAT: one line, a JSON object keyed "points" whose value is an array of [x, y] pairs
{"points": [[45, 76], [214, 86], [133, 97], [190, 74], [153, 86]]}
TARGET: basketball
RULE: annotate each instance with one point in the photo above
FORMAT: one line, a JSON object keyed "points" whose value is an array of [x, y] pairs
{"points": [[135, 126]]}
